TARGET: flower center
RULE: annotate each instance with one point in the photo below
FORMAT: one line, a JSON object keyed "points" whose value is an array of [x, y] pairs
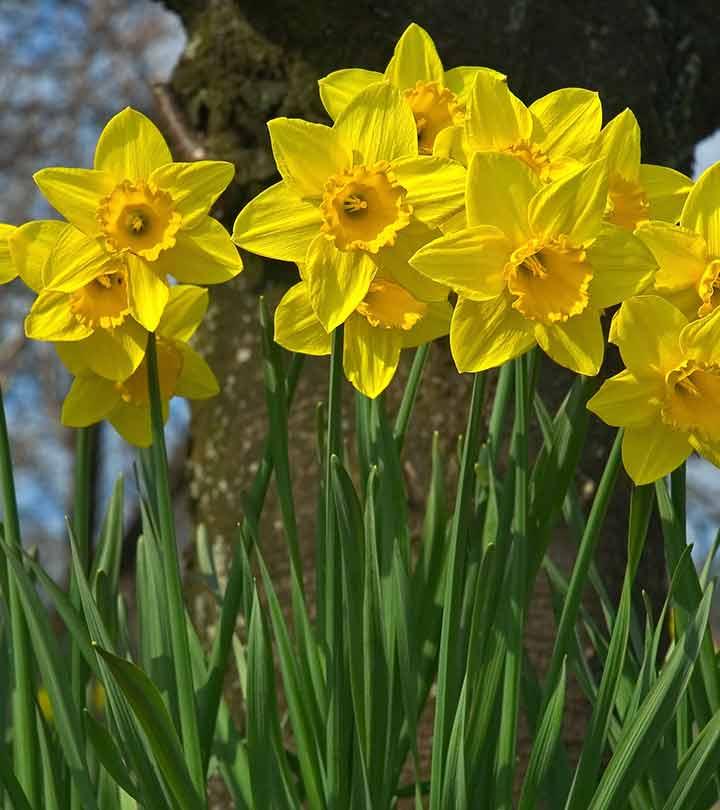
{"points": [[531, 155], [103, 303], [627, 205], [139, 218], [549, 280], [709, 288], [364, 208], [435, 108], [134, 390], [390, 306], [692, 399]]}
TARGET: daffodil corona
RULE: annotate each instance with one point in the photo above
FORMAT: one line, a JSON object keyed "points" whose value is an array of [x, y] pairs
{"points": [[536, 264], [668, 398], [355, 199], [145, 211]]}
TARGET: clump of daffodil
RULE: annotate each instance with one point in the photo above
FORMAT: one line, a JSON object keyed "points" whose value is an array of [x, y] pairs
{"points": [[688, 255], [86, 312], [354, 198], [181, 372], [387, 320], [145, 211], [552, 136], [436, 96], [8, 271], [637, 192], [536, 264], [668, 398]]}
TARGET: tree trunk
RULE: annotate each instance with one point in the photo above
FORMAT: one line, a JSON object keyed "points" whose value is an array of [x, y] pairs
{"points": [[247, 62]]}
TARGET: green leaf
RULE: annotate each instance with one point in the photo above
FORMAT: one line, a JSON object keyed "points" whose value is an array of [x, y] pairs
{"points": [[11, 784], [109, 755]]}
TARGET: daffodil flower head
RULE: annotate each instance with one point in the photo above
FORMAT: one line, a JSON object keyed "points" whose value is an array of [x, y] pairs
{"points": [[435, 96], [86, 312], [181, 372], [387, 320], [536, 264], [553, 136], [354, 200], [637, 192], [688, 255], [8, 271], [138, 205], [668, 397]]}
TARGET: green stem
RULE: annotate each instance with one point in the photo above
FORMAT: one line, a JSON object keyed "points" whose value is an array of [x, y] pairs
{"points": [[499, 410], [410, 395], [173, 580], [332, 595], [25, 743], [84, 441]]}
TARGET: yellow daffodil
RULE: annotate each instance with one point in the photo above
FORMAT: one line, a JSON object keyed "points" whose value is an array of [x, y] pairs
{"points": [[668, 398], [688, 255], [181, 371], [87, 315], [436, 96], [354, 198], [146, 211], [44, 704], [552, 136], [386, 321], [637, 192], [536, 264], [8, 271]]}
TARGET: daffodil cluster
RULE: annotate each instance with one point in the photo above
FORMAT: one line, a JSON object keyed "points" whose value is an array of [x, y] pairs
{"points": [[439, 202], [136, 230]]}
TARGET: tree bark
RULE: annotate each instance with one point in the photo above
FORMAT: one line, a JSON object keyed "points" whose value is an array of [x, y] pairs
{"points": [[247, 62]]}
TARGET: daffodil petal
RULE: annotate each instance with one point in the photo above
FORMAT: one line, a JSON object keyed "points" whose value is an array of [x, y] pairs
{"points": [[75, 260], [653, 451], [570, 119], [470, 261], [307, 154], [73, 356], [577, 344], [76, 194], [394, 260], [131, 147], [196, 380], [622, 266], [184, 311], [708, 450], [619, 145], [89, 400], [31, 245], [461, 79], [452, 143], [378, 125], [496, 118], [435, 187], [337, 280], [116, 353], [666, 191], [499, 191], [8, 270], [415, 59], [623, 400], [338, 88], [681, 254], [147, 292], [573, 206], [132, 422], [701, 212], [50, 318], [370, 355], [486, 334], [647, 329], [204, 255], [434, 324], [297, 327], [277, 224], [700, 339], [193, 186]]}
